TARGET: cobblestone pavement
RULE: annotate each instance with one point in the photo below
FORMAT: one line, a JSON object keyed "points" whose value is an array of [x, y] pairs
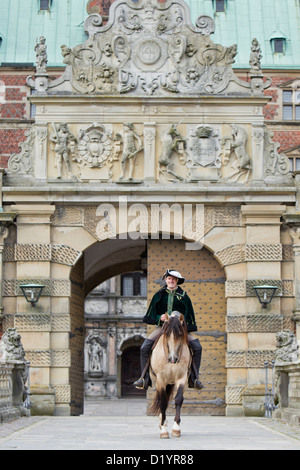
{"points": [[122, 425]]}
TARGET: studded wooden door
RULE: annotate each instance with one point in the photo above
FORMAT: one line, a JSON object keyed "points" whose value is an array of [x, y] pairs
{"points": [[205, 284]]}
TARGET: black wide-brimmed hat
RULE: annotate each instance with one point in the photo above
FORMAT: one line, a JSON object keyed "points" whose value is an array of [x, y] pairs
{"points": [[172, 272]]}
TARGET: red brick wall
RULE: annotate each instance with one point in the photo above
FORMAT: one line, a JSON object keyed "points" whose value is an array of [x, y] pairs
{"points": [[14, 115]]}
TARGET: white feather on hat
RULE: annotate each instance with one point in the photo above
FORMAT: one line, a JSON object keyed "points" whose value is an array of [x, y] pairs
{"points": [[172, 272]]}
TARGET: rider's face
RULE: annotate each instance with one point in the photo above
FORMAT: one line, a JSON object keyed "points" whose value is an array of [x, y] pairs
{"points": [[171, 282]]}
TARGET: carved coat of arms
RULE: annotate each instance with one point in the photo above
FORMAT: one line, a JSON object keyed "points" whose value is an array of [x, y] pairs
{"points": [[203, 148]]}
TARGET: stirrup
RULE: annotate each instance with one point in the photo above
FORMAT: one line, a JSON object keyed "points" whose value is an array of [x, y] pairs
{"points": [[198, 385], [141, 387]]}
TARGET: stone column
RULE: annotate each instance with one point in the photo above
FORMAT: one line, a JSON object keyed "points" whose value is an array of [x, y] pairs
{"points": [[112, 362], [34, 323], [3, 235], [263, 256], [294, 221], [149, 151], [6, 218]]}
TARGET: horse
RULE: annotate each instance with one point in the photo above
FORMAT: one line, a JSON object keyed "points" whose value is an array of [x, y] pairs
{"points": [[170, 364]]}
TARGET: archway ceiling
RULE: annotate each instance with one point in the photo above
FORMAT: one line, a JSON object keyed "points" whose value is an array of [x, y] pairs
{"points": [[109, 258]]}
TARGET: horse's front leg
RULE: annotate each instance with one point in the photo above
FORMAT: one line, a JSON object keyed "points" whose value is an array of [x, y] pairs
{"points": [[163, 425], [176, 431], [164, 433]]}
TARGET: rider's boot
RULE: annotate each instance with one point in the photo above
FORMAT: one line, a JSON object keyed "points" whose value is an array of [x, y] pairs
{"points": [[194, 381], [144, 381]]}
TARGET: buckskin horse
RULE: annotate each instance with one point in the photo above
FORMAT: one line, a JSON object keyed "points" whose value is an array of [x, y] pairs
{"points": [[169, 370]]}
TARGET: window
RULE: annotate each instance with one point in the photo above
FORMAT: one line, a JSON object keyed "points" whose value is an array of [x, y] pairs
{"points": [[219, 5], [134, 284], [45, 4], [278, 42], [291, 105], [279, 45], [294, 163]]}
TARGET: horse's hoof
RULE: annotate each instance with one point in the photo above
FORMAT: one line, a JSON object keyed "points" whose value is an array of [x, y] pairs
{"points": [[176, 433], [164, 435]]}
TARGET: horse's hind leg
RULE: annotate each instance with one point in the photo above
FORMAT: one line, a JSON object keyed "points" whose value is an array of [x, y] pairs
{"points": [[176, 432]]}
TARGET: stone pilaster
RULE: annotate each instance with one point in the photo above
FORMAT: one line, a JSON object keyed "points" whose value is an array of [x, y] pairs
{"points": [[34, 229]]}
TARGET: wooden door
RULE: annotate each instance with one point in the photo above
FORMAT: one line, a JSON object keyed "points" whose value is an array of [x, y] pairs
{"points": [[130, 371]]}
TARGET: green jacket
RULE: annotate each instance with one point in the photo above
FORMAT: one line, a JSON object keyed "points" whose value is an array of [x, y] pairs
{"points": [[164, 301]]}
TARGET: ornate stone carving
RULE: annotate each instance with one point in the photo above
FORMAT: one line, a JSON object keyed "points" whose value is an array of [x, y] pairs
{"points": [[172, 142], [257, 82], [130, 149], [94, 146], [11, 348], [255, 58], [147, 47], [22, 163], [41, 55], [64, 148], [277, 166], [287, 348], [236, 145], [203, 153], [96, 349]]}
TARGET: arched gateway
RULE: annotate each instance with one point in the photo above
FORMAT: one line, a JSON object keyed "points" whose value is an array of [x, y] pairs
{"points": [[150, 146]]}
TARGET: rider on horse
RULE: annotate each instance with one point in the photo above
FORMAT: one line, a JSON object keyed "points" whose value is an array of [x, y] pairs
{"points": [[171, 297]]}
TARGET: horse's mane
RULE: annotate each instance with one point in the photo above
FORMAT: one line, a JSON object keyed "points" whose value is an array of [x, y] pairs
{"points": [[175, 326]]}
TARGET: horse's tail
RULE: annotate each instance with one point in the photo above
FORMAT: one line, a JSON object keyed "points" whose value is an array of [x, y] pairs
{"points": [[161, 399]]}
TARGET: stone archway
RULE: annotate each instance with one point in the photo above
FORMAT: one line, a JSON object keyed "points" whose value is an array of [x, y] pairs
{"points": [[205, 283]]}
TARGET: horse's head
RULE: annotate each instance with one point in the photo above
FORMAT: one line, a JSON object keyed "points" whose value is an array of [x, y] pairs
{"points": [[176, 335]]}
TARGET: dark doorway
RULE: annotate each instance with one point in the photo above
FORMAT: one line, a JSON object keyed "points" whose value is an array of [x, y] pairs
{"points": [[130, 371]]}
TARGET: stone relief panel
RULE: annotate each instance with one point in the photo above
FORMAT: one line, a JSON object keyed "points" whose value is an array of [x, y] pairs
{"points": [[94, 153], [134, 153]]}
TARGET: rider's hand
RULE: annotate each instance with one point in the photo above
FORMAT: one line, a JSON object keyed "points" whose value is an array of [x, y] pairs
{"points": [[163, 317]]}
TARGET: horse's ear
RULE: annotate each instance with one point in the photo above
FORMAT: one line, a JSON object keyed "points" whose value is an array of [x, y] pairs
{"points": [[181, 318], [167, 317]]}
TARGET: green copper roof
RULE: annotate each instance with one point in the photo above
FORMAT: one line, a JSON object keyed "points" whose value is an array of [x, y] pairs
{"points": [[21, 23], [248, 19]]}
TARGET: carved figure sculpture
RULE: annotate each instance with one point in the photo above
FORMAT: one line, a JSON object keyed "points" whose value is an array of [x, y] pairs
{"points": [[287, 348], [64, 142], [130, 150], [95, 356], [11, 348], [237, 143], [41, 55], [255, 58], [172, 141]]}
